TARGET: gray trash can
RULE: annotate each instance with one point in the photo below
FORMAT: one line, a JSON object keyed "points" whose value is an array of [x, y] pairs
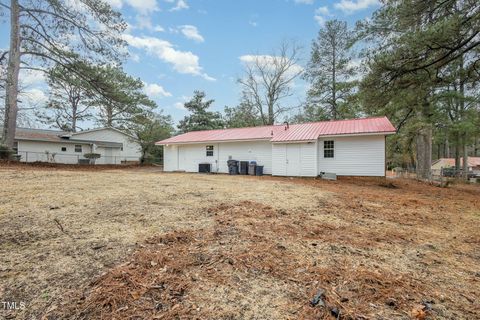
{"points": [[251, 169]]}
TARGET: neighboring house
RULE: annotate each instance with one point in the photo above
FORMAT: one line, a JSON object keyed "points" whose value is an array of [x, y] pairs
{"points": [[113, 145], [346, 147], [473, 164]]}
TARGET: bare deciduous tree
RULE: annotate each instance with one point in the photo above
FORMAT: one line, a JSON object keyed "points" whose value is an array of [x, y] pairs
{"points": [[43, 32], [269, 78]]}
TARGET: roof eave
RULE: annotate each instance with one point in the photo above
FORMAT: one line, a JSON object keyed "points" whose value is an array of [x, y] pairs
{"points": [[163, 142]]}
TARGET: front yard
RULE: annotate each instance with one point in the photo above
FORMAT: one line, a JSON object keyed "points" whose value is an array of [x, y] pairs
{"points": [[138, 243]]}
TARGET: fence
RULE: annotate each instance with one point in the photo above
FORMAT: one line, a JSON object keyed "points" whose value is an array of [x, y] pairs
{"points": [[442, 175], [31, 156]]}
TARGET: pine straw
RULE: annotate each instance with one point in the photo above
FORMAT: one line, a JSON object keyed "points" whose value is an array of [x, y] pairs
{"points": [[200, 274]]}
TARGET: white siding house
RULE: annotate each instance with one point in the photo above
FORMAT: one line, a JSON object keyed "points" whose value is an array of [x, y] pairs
{"points": [[38, 145], [347, 147]]}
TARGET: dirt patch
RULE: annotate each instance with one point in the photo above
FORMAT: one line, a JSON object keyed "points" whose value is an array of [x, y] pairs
{"points": [[243, 267]]}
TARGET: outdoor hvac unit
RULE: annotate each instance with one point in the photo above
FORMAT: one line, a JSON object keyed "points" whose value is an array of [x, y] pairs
{"points": [[204, 167]]}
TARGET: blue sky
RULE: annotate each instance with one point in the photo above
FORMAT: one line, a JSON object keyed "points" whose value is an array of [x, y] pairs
{"points": [[178, 46]]}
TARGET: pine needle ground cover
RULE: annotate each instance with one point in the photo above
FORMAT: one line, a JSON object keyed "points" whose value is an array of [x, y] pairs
{"points": [[138, 244]]}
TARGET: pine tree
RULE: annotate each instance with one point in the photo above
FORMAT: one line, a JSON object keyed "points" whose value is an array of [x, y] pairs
{"points": [[330, 73], [200, 118]]}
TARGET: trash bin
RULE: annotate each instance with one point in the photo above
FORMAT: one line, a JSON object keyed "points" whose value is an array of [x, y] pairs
{"points": [[232, 167], [251, 169], [232, 170], [243, 167], [259, 171]]}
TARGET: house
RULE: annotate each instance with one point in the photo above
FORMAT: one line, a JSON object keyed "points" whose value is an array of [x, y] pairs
{"points": [[345, 147], [473, 164], [113, 145]]}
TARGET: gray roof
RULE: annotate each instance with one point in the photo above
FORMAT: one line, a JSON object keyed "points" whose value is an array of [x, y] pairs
{"points": [[58, 136]]}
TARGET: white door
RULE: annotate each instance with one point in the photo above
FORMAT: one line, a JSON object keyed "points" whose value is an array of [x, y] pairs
{"points": [[182, 158], [293, 161], [109, 156]]}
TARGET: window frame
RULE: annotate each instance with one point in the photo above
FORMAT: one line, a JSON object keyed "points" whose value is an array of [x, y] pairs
{"points": [[209, 150], [81, 148], [329, 146]]}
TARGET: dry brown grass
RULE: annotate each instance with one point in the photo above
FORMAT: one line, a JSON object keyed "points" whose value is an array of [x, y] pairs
{"points": [[139, 244]]}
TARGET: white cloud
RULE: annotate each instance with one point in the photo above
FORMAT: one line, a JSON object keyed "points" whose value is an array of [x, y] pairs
{"points": [[31, 77], [179, 105], [191, 32], [350, 6], [321, 15], [154, 90], [158, 28], [116, 4], [323, 10], [33, 97], [135, 57], [182, 61], [142, 6], [181, 5], [304, 1], [253, 23]]}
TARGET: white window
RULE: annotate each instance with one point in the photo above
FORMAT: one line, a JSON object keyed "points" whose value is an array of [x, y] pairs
{"points": [[78, 148], [209, 151], [328, 149], [64, 149]]}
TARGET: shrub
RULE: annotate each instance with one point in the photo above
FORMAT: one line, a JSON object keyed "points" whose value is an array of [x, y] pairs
{"points": [[92, 156], [5, 152]]}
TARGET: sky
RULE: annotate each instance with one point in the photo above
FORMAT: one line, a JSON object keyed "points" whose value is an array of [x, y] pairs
{"points": [[178, 46]]}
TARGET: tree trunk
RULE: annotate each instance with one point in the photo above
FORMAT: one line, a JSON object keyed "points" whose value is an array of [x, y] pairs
{"points": [[11, 92], [109, 116], [447, 149], [465, 158], [334, 82], [424, 143], [457, 153], [271, 116], [424, 152]]}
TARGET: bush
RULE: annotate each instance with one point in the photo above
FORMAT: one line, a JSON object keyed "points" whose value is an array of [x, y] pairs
{"points": [[6, 153], [92, 155]]}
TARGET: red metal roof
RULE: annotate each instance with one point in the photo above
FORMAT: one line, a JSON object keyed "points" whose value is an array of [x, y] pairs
{"points": [[472, 161], [294, 132]]}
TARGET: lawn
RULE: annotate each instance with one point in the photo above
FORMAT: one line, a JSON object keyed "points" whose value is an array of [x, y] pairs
{"points": [[139, 243]]}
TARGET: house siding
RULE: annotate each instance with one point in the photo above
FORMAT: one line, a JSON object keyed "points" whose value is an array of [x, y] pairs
{"points": [[40, 151], [131, 149], [187, 157], [354, 156], [46, 151]]}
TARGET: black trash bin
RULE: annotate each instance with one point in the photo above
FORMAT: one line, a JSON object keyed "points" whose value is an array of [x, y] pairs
{"points": [[259, 170], [243, 167], [232, 170], [232, 167], [251, 169]]}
